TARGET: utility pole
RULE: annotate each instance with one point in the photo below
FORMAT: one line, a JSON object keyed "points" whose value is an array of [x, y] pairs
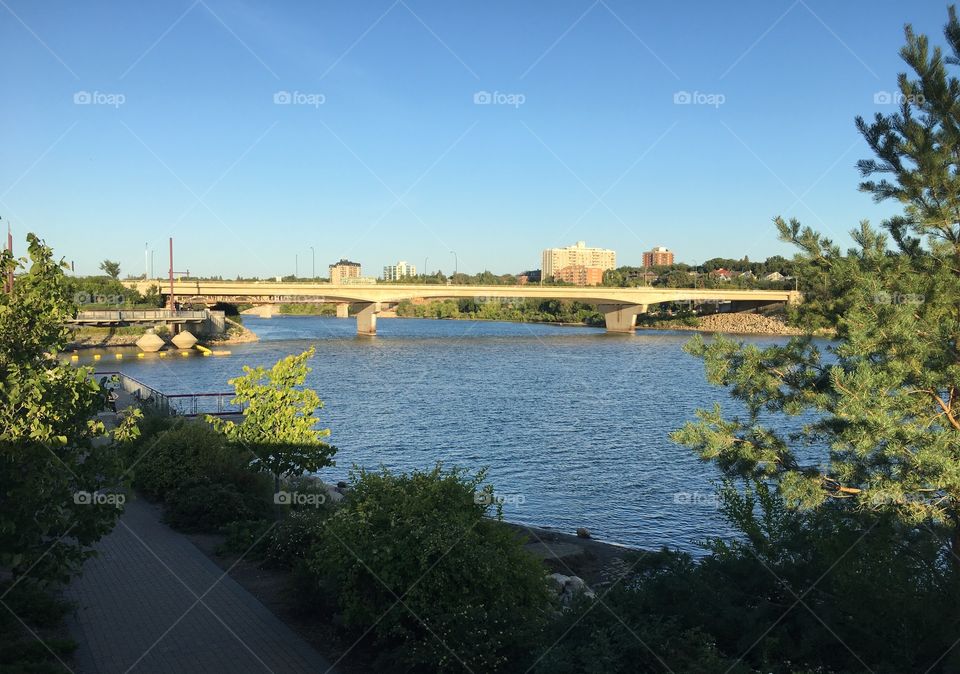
{"points": [[313, 264], [172, 301], [456, 262]]}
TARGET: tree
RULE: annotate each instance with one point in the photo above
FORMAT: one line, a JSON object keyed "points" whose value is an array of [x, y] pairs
{"points": [[279, 420], [886, 394], [53, 480], [111, 269]]}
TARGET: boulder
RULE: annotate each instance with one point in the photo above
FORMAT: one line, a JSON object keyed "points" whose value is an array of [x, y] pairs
{"points": [[569, 587]]}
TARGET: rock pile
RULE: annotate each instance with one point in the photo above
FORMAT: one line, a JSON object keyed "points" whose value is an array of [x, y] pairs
{"points": [[569, 587], [741, 323]]}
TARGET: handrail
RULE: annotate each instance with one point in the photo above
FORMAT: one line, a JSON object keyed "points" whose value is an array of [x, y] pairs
{"points": [[179, 404]]}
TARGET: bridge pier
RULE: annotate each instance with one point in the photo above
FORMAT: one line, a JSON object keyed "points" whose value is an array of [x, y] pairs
{"points": [[621, 317], [343, 310], [367, 318]]}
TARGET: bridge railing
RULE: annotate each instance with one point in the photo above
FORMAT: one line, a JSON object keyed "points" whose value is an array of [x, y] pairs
{"points": [[121, 315], [175, 404]]}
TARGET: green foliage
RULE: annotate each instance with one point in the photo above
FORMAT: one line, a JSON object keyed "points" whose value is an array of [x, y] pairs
{"points": [[47, 428], [279, 420], [207, 505], [886, 392], [413, 559], [503, 309], [111, 269], [829, 590], [184, 450], [296, 537], [35, 644], [103, 292]]}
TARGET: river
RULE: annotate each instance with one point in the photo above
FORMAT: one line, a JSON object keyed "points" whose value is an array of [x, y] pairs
{"points": [[571, 422]]}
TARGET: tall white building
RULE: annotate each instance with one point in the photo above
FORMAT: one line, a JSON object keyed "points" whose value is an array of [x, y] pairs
{"points": [[577, 255], [402, 269]]}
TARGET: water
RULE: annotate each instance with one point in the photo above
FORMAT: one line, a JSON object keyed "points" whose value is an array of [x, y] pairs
{"points": [[571, 422]]}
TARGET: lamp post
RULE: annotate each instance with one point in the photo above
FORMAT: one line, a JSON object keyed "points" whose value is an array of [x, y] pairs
{"points": [[425, 268], [313, 264], [456, 262]]}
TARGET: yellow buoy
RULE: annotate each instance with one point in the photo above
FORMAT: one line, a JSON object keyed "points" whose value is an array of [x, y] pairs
{"points": [[140, 355], [184, 353], [96, 356], [74, 357], [162, 354], [119, 356]]}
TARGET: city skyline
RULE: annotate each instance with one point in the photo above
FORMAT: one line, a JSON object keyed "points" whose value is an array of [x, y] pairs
{"points": [[251, 133]]}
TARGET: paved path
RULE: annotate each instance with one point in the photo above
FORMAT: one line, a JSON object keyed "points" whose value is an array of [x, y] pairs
{"points": [[152, 602]]}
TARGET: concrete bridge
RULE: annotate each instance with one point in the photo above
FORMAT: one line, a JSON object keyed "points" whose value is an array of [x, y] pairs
{"points": [[620, 306]]}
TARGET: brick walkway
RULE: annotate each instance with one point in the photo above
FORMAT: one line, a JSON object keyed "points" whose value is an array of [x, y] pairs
{"points": [[138, 609]]}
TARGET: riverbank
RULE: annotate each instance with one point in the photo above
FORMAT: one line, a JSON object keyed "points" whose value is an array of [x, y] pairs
{"points": [[103, 338]]}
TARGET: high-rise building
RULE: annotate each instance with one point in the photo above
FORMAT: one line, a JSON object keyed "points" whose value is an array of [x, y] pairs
{"points": [[577, 255], [344, 269], [400, 270], [658, 257]]}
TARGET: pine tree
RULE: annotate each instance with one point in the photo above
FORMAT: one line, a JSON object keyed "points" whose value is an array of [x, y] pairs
{"points": [[886, 392]]}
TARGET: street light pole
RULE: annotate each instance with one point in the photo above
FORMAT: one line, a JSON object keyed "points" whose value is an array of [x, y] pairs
{"points": [[313, 264], [456, 262], [296, 265]]}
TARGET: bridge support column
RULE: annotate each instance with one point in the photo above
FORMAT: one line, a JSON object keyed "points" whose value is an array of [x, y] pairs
{"points": [[367, 318], [343, 310], [621, 317]]}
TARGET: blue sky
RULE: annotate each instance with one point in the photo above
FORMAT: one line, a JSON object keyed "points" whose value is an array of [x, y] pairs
{"points": [[384, 154]]}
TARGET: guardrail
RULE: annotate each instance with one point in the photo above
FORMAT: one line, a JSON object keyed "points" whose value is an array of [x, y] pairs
{"points": [[127, 315], [177, 404]]}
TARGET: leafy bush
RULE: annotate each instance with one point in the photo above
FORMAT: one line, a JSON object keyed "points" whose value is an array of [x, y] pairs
{"points": [[295, 537], [42, 613], [203, 505], [439, 584], [190, 450], [875, 597]]}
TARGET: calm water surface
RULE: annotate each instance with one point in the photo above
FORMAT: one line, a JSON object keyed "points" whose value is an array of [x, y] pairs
{"points": [[572, 423]]}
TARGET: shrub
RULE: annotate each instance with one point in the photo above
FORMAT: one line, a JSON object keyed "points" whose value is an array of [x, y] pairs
{"points": [[872, 600], [203, 505], [439, 584], [191, 450], [295, 537]]}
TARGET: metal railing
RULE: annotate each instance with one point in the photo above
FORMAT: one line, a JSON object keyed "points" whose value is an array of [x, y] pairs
{"points": [[127, 315], [178, 404]]}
